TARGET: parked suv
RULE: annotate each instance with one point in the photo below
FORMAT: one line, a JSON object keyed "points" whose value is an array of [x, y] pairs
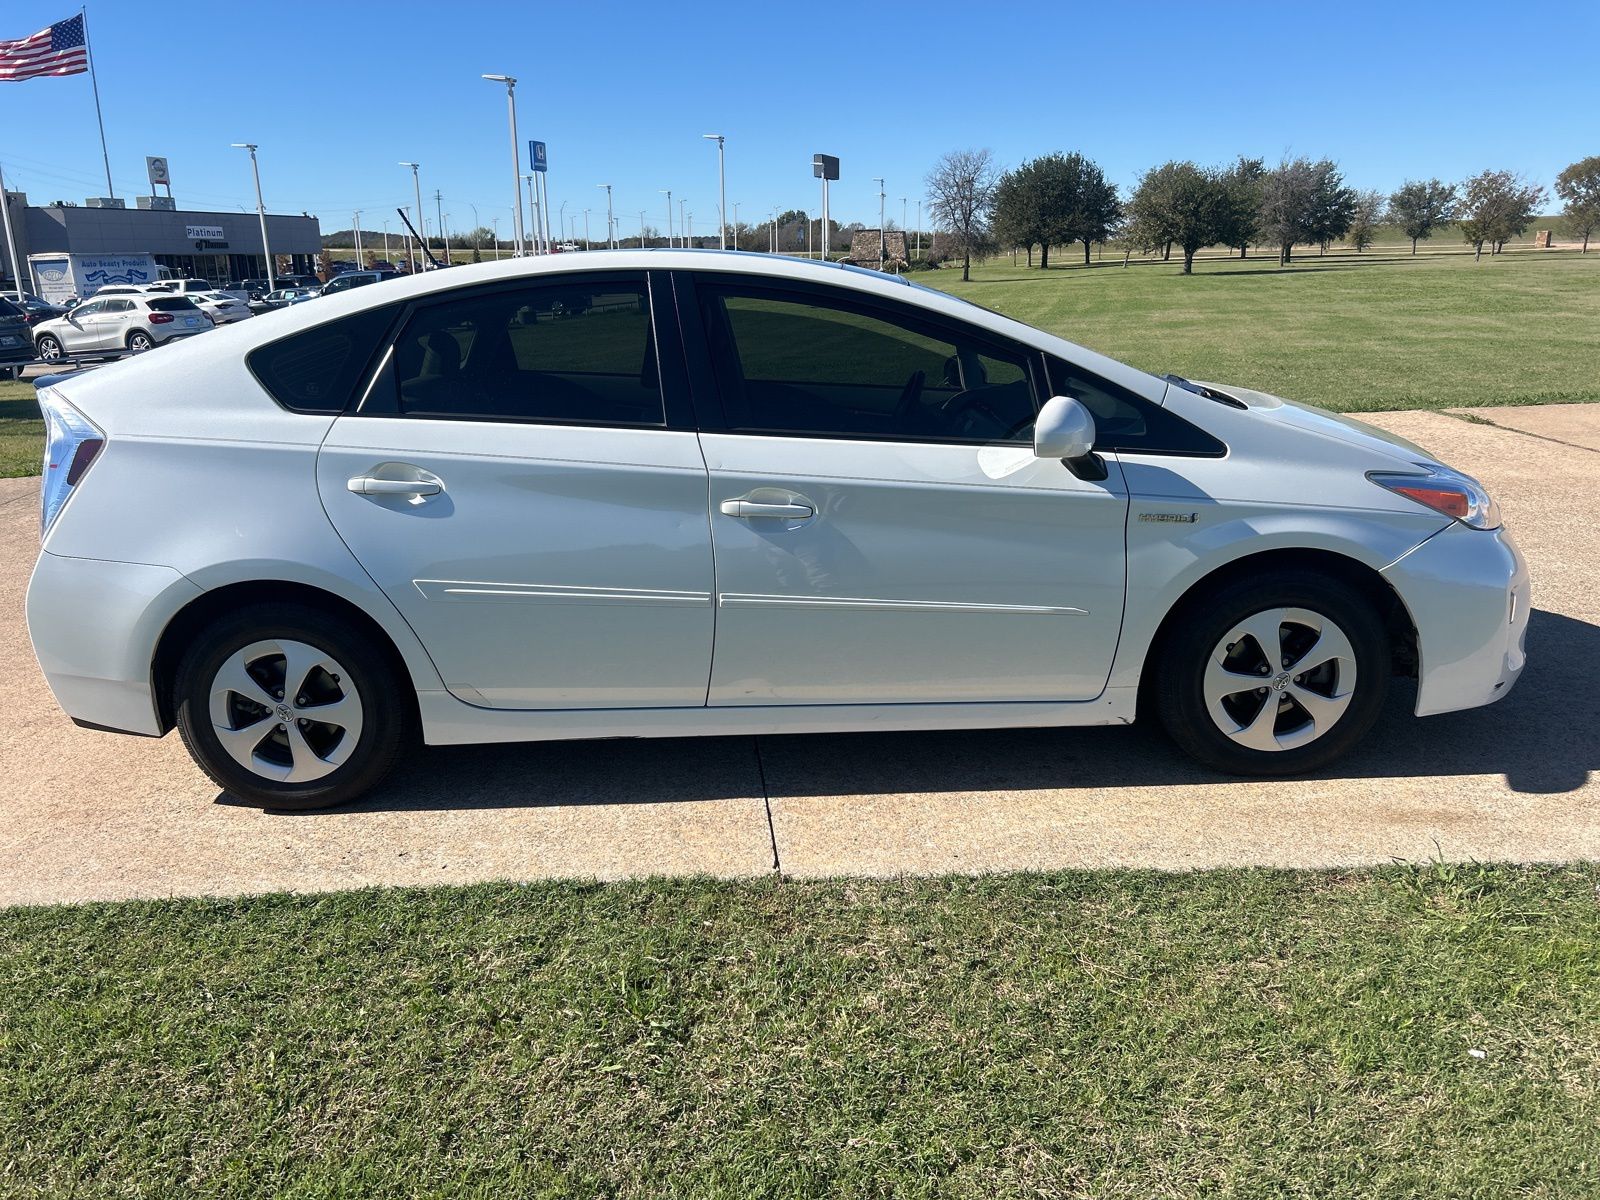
{"points": [[182, 287], [355, 279], [108, 326], [16, 346]]}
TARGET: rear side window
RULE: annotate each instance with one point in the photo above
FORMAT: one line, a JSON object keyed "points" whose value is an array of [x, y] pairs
{"points": [[168, 304], [570, 353], [8, 309], [318, 369], [1125, 421]]}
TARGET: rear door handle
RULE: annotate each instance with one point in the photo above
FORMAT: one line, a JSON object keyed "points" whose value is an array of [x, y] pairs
{"points": [[757, 508]]}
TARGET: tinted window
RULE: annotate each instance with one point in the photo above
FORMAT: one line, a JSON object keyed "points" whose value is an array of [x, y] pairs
{"points": [[812, 365], [8, 309], [1125, 421], [119, 306], [579, 352], [318, 369], [169, 304], [87, 310]]}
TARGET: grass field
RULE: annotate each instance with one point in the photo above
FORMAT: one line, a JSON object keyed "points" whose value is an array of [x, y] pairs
{"points": [[1358, 333], [21, 430], [1405, 1032]]}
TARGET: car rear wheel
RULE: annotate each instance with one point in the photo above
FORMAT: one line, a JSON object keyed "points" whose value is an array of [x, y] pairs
{"points": [[290, 707], [1273, 676], [48, 348], [139, 341]]}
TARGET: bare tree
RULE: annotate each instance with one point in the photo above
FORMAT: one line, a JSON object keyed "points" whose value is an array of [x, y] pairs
{"points": [[961, 195]]}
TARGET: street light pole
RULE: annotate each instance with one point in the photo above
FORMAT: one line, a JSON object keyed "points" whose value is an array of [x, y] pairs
{"points": [[586, 242], [562, 220], [516, 155], [355, 232], [261, 211], [416, 185], [919, 229], [667, 192], [722, 190], [438, 221], [683, 225], [611, 229], [532, 244], [883, 237], [641, 229]]}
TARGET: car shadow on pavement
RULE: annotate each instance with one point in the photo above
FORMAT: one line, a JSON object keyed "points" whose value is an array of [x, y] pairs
{"points": [[1543, 738]]}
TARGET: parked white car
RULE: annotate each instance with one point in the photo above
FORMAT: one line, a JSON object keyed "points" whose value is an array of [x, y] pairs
{"points": [[222, 308], [182, 287], [659, 493], [114, 324]]}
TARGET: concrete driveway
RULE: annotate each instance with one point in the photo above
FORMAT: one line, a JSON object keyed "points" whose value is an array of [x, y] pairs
{"points": [[87, 815]]}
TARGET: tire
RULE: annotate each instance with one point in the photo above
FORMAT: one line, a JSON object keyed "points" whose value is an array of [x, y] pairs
{"points": [[139, 341], [332, 740], [48, 348], [1316, 698]]}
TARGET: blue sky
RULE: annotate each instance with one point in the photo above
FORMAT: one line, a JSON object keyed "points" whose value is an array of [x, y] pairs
{"points": [[622, 94]]}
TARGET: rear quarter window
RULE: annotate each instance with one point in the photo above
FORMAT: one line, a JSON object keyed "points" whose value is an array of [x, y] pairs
{"points": [[317, 370]]}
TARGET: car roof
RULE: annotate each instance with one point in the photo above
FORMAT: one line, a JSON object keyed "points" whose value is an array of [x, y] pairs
{"points": [[228, 344]]}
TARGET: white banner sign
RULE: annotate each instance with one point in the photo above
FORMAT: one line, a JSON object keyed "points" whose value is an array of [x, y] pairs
{"points": [[204, 233]]}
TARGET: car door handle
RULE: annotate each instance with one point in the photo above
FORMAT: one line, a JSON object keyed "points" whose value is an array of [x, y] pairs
{"points": [[757, 508], [367, 485]]}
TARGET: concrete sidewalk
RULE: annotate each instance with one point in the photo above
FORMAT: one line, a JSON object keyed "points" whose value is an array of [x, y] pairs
{"points": [[86, 815]]}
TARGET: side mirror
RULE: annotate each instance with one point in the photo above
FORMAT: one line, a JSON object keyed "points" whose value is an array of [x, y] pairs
{"points": [[1064, 429]]}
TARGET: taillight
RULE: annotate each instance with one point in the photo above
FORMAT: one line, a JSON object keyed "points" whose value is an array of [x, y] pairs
{"points": [[160, 318], [70, 448]]}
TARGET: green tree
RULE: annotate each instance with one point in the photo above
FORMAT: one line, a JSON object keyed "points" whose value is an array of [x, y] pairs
{"points": [[1241, 209], [1579, 187], [1419, 207], [1305, 202], [1366, 219], [1496, 206], [1181, 204]]}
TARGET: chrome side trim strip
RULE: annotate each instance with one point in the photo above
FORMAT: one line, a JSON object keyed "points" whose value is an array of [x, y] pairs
{"points": [[465, 590], [752, 600]]}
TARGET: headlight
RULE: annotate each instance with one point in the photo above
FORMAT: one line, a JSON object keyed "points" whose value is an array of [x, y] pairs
{"points": [[1445, 491]]}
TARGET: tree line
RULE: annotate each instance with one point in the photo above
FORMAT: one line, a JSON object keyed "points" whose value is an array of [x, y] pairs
{"points": [[1065, 199]]}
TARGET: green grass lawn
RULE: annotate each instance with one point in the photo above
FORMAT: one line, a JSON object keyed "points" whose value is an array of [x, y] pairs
{"points": [[1430, 1031], [1358, 333], [21, 430]]}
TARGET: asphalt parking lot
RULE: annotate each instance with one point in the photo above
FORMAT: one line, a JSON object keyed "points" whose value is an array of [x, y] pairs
{"points": [[87, 815]]}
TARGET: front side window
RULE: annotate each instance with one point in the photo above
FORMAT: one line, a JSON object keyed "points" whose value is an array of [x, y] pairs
{"points": [[567, 353], [809, 365], [88, 310]]}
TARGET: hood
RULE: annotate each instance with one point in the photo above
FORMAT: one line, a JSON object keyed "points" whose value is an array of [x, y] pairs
{"points": [[1323, 422]]}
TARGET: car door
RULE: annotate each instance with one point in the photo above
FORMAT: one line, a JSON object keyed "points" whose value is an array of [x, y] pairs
{"points": [[524, 483], [882, 530], [81, 329], [115, 319]]}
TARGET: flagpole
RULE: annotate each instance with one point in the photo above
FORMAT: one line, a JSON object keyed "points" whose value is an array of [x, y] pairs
{"points": [[94, 81]]}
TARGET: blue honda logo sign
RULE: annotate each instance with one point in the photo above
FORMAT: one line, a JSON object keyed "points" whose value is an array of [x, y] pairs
{"points": [[536, 156]]}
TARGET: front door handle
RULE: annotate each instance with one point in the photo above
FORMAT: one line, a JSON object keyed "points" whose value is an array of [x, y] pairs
{"points": [[370, 485], [758, 508]]}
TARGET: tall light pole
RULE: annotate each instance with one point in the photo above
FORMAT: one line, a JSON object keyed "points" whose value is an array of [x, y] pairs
{"points": [[416, 185], [438, 222], [883, 237], [496, 223], [533, 212], [722, 190], [261, 211], [611, 228], [386, 239], [667, 192], [516, 155], [587, 245], [355, 233], [641, 229], [919, 228], [683, 224]]}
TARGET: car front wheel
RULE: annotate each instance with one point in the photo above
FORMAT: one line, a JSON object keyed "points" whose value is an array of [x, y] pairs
{"points": [[290, 707], [1273, 676]]}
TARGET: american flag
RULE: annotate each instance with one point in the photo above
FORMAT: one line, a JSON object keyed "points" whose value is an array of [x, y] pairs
{"points": [[59, 50]]}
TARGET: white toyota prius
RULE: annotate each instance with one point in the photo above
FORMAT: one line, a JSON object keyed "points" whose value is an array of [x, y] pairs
{"points": [[664, 493]]}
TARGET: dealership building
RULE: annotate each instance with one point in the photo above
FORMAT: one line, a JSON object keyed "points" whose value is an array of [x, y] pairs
{"points": [[219, 246]]}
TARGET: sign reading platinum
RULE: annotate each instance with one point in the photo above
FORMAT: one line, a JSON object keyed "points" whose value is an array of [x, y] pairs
{"points": [[204, 233]]}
